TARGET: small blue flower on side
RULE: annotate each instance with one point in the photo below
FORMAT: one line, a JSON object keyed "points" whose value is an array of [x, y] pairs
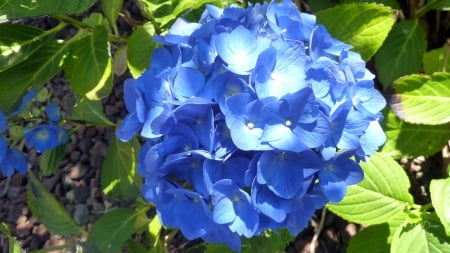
{"points": [[45, 137]]}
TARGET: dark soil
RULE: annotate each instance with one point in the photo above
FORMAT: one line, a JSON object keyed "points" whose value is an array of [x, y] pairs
{"points": [[76, 184]]}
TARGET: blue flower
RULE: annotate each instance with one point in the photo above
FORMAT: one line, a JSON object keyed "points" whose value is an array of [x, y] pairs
{"points": [[53, 113], [45, 137], [13, 160], [26, 99], [3, 121]]}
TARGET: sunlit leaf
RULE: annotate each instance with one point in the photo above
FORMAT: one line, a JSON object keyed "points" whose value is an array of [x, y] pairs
{"points": [[37, 70], [119, 178], [412, 140], [14, 246], [426, 236], [14, 9], [46, 208], [422, 99], [18, 42], [401, 53], [436, 61], [111, 231], [140, 48], [89, 66], [383, 194], [365, 26], [440, 192]]}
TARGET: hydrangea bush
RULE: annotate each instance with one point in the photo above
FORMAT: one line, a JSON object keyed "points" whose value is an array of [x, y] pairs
{"points": [[243, 120], [254, 117]]}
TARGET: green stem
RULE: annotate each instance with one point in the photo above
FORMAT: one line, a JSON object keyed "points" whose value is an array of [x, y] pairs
{"points": [[426, 8], [426, 207], [446, 55]]}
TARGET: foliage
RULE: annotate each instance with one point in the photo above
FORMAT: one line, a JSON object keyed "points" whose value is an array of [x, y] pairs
{"points": [[414, 78]]}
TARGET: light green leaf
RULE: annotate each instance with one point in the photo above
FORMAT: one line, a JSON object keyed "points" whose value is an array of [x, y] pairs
{"points": [[18, 42], [14, 9], [46, 208], [119, 178], [421, 99], [365, 26], [38, 69], [90, 111], [440, 197], [412, 140], [51, 159], [89, 66], [111, 9], [382, 194], [390, 3], [140, 48], [427, 236], [401, 53], [111, 231], [435, 60], [14, 246]]}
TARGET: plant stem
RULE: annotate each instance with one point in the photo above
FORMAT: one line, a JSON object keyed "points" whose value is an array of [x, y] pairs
{"points": [[426, 8], [318, 230]]}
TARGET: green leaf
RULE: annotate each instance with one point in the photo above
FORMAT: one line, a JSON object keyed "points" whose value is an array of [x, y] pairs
{"points": [[435, 60], [37, 70], [427, 236], [371, 240], [382, 194], [89, 66], [154, 229], [18, 42], [51, 159], [412, 140], [390, 3], [136, 247], [318, 5], [422, 99], [111, 9], [90, 111], [14, 246], [46, 208], [440, 192], [120, 61], [365, 27], [401, 53], [14, 9], [119, 178], [267, 242], [111, 231], [443, 5], [140, 48]]}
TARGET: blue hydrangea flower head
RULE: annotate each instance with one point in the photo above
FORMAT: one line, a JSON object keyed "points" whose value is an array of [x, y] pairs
{"points": [[254, 119]]}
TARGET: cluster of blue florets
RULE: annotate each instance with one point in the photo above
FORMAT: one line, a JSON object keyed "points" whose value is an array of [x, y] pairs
{"points": [[42, 137], [254, 118]]}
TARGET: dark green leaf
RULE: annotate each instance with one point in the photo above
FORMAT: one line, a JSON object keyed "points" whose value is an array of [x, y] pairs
{"points": [[119, 178], [38, 69], [90, 111], [267, 242], [14, 9], [412, 140], [371, 240], [427, 236], [319, 5], [382, 195], [441, 5], [111, 231], [51, 159], [89, 66], [401, 53], [46, 208], [18, 42], [365, 26], [440, 192], [111, 9], [421, 99], [140, 48], [436, 61]]}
